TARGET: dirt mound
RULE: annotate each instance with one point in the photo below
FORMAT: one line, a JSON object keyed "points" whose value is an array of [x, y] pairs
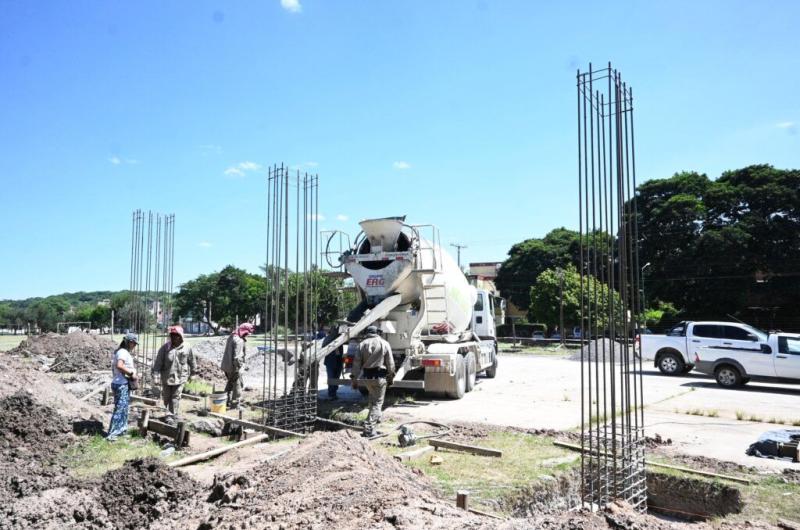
{"points": [[209, 372], [74, 352], [335, 480], [145, 490], [31, 437], [602, 348]]}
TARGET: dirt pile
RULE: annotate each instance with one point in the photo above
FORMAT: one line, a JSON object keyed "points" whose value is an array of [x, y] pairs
{"points": [[31, 437], [209, 372], [333, 480], [145, 490], [213, 349], [74, 352], [601, 348]]}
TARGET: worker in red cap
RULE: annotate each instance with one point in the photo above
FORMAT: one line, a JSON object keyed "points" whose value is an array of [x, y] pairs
{"points": [[175, 365], [233, 362]]}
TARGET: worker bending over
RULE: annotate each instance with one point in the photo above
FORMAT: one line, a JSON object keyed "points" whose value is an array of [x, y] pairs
{"points": [[373, 364], [175, 365], [233, 362]]}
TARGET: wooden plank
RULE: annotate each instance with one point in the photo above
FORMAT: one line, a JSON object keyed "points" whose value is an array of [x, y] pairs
{"points": [[162, 428], [218, 451], [485, 514], [689, 470], [482, 451], [191, 397], [96, 391], [135, 397], [416, 453], [257, 426], [339, 424]]}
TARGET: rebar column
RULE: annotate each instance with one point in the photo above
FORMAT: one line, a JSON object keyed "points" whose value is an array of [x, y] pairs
{"points": [[612, 415]]}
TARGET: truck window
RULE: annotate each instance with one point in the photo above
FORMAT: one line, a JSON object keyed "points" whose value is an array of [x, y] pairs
{"points": [[479, 303], [734, 333], [678, 331], [789, 345], [707, 331]]}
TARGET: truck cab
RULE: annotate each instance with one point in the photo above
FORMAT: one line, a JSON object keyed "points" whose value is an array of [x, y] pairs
{"points": [[773, 357]]}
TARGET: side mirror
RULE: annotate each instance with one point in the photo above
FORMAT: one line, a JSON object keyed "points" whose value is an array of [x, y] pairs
{"points": [[766, 348]]}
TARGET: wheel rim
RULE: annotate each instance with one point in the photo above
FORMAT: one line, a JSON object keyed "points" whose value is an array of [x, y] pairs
{"points": [[669, 364], [726, 377]]}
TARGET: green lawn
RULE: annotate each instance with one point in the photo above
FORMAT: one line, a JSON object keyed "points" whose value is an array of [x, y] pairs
{"points": [[9, 342]]}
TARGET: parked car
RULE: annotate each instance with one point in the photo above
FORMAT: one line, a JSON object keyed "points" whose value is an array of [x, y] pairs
{"points": [[775, 358], [674, 353], [539, 335]]}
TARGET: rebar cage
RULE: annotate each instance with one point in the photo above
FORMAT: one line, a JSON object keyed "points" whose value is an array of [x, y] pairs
{"points": [[612, 416], [149, 309], [291, 369]]}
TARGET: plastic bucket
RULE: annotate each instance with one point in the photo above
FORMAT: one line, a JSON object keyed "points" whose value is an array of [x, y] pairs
{"points": [[219, 403]]}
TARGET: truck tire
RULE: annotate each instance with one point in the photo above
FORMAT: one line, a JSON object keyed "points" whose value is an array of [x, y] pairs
{"points": [[491, 372], [671, 363], [471, 366], [459, 382], [728, 376]]}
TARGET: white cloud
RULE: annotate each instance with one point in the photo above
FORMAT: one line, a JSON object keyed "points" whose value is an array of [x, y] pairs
{"points": [[241, 168], [249, 166], [785, 125], [204, 244], [342, 217], [293, 6], [401, 165], [114, 159], [316, 217]]}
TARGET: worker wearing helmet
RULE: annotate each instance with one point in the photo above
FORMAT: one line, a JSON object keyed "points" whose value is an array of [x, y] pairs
{"points": [[374, 365], [175, 365], [233, 361]]}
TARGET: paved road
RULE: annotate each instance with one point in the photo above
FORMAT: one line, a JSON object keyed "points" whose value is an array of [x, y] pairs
{"points": [[544, 392]]}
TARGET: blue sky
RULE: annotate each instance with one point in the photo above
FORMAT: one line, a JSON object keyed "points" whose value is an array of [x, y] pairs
{"points": [[458, 113]]}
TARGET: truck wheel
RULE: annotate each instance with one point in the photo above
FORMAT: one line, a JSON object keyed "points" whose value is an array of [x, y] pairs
{"points": [[671, 364], [727, 376], [491, 372], [459, 381], [471, 366]]}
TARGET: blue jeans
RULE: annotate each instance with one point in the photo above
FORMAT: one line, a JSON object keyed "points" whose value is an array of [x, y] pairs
{"points": [[119, 419], [333, 367]]}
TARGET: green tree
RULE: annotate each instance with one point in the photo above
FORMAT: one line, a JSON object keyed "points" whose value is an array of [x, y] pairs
{"points": [[725, 246], [545, 300], [527, 260]]}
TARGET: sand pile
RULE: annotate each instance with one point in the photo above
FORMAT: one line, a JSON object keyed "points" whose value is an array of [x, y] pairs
{"points": [[74, 352], [213, 349], [209, 371]]}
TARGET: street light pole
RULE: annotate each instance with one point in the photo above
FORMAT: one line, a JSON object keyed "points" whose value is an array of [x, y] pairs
{"points": [[560, 273], [644, 298], [459, 247]]}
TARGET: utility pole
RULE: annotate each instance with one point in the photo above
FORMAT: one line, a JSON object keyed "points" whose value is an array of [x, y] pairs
{"points": [[459, 247], [561, 305]]}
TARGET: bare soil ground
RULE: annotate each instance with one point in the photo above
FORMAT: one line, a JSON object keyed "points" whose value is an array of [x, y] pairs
{"points": [[74, 352]]}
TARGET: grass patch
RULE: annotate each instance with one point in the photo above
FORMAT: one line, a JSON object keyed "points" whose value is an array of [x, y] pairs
{"points": [[198, 387], [753, 417], [740, 415], [714, 413], [93, 456], [520, 349], [768, 500], [524, 458], [9, 342]]}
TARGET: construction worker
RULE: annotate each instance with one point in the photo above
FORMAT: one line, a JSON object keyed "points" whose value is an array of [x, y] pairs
{"points": [[374, 364], [333, 363], [233, 363], [175, 365], [123, 370]]}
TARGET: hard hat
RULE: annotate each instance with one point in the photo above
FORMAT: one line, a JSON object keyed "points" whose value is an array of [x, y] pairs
{"points": [[132, 337], [372, 330]]}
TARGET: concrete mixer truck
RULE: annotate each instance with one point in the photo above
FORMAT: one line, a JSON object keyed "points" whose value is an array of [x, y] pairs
{"points": [[441, 329]]}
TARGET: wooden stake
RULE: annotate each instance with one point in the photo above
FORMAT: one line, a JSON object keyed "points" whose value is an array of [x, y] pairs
{"points": [[483, 451], [179, 435], [105, 396], [145, 420], [462, 499]]}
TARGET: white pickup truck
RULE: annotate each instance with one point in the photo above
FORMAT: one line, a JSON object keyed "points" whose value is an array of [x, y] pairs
{"points": [[775, 360], [675, 352]]}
